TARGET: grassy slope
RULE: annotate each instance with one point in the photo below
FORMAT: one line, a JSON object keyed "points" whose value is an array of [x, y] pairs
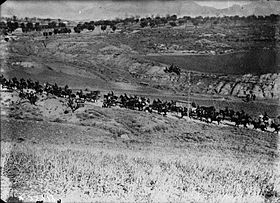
{"points": [[158, 159]]}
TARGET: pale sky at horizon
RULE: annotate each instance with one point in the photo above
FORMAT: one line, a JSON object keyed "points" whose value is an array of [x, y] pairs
{"points": [[221, 4], [109, 9]]}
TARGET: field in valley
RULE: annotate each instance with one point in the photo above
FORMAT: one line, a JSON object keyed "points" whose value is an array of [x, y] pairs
{"points": [[247, 62]]}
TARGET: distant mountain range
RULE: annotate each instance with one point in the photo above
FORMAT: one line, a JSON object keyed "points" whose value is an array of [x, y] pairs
{"points": [[253, 8], [94, 10]]}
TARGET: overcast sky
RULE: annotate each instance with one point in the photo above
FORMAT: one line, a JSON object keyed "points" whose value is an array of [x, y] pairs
{"points": [[212, 3], [106, 9]]}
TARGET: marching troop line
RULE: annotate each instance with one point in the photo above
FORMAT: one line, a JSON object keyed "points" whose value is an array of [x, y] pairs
{"points": [[30, 90]]}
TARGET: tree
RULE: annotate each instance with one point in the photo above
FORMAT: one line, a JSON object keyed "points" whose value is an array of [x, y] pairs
{"points": [[158, 21], [91, 27], [181, 21], [274, 18], [55, 31], [29, 26], [152, 23], [126, 21], [77, 30], [172, 23], [164, 20], [195, 22], [14, 18], [113, 27], [12, 26], [215, 22], [144, 23], [62, 24], [103, 27], [142, 19], [167, 17], [98, 23], [173, 17], [37, 27], [9, 24], [3, 25], [15, 25], [52, 24]]}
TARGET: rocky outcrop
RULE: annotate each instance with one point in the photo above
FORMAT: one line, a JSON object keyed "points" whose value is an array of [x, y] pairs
{"points": [[263, 86], [266, 86]]}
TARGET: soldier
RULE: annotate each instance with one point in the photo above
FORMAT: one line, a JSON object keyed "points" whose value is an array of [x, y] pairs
{"points": [[247, 97], [265, 118]]}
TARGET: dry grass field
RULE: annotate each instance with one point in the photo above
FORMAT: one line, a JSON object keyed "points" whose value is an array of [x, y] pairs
{"points": [[92, 174]]}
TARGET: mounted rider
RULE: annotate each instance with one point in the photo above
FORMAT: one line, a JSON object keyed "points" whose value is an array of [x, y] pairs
{"points": [[266, 119]]}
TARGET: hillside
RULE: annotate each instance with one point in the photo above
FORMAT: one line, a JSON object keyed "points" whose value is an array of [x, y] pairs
{"points": [[100, 154], [105, 62], [257, 8]]}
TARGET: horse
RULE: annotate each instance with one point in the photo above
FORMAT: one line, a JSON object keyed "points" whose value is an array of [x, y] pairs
{"points": [[259, 125], [216, 117], [242, 120], [276, 127], [206, 112], [173, 69]]}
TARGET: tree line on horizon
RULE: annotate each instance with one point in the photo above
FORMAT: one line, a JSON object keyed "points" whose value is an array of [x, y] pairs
{"points": [[11, 26], [59, 27], [172, 20]]}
